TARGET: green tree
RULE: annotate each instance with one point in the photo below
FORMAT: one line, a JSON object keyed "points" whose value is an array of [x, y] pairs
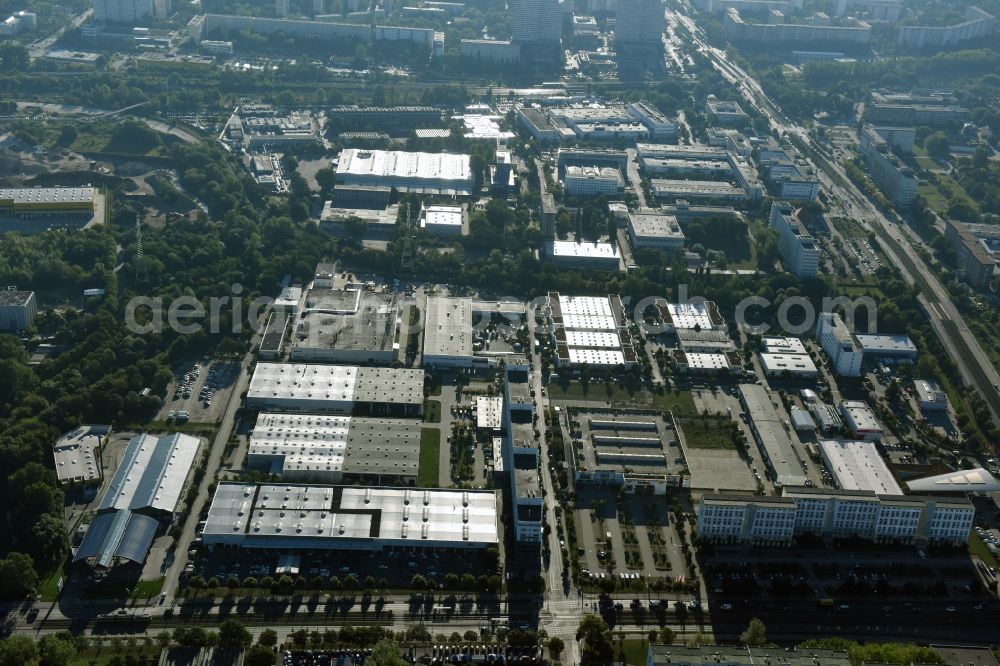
{"points": [[259, 655], [268, 638], [19, 650], [234, 634], [596, 637], [385, 653], [937, 145], [556, 646], [57, 649], [667, 636], [17, 576], [755, 635]]}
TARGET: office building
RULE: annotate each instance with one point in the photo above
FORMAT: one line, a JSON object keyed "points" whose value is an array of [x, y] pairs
{"points": [[293, 517], [697, 190], [122, 11], [899, 139], [77, 454], [834, 515], [145, 490], [930, 396], [593, 181], [326, 448], [584, 256], [336, 389], [17, 310], [519, 461], [651, 229], [421, 173], [640, 23], [281, 8], [897, 347], [860, 420], [442, 220], [897, 180], [748, 6], [913, 110], [857, 465], [977, 25], [494, 51], [216, 47], [839, 344], [347, 326], [590, 330], [817, 31], [535, 21], [798, 248], [660, 127], [773, 441], [725, 112]]}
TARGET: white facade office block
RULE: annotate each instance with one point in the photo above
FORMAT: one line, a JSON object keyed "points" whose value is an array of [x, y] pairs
{"points": [[537, 20], [839, 344], [798, 247], [640, 22]]}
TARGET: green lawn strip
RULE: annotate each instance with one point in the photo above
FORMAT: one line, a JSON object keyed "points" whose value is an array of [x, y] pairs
{"points": [[978, 547], [432, 411], [430, 451]]}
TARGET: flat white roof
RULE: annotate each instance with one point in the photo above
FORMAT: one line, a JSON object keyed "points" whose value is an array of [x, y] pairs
{"points": [[706, 361], [74, 453], [597, 339], [886, 345], [357, 163], [489, 412], [22, 196], [929, 390], [580, 322], [858, 466], [774, 344], [318, 516], [859, 416], [584, 305], [448, 327], [655, 225], [308, 381], [690, 315], [561, 248], [776, 363], [596, 356], [449, 216]]}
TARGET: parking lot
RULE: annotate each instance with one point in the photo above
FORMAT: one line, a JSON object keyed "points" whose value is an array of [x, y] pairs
{"points": [[199, 392]]}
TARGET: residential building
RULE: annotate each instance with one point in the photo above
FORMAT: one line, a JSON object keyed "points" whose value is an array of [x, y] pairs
{"points": [[217, 47], [231, 23], [798, 248], [584, 256], [293, 517], [860, 420], [977, 25], [593, 181], [817, 31], [834, 515], [899, 139], [748, 6], [144, 491], [162, 9], [336, 389], [122, 11], [535, 21], [914, 110], [897, 180], [651, 229], [17, 310], [640, 23], [975, 263], [494, 51], [839, 344], [857, 465]]}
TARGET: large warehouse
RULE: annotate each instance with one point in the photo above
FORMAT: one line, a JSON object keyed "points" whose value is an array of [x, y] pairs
{"points": [[422, 173], [858, 466], [37, 201], [329, 448], [590, 330], [145, 489], [336, 389], [773, 441], [347, 326], [302, 517]]}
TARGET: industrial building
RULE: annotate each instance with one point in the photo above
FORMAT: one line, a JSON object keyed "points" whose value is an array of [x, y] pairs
{"points": [[145, 490], [422, 173], [652, 229], [17, 310], [834, 515], [860, 420], [261, 126], [442, 220], [706, 341], [590, 330], [798, 248], [773, 439], [795, 365], [448, 333], [519, 460], [326, 448], [897, 347], [584, 256], [34, 202], [930, 396], [377, 223], [336, 389], [706, 362], [347, 326], [858, 466], [291, 517], [76, 455], [696, 316], [839, 344]]}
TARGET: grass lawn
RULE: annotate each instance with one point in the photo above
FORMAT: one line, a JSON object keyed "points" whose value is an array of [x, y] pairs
{"points": [[147, 589], [432, 411], [430, 456], [48, 583], [707, 433], [849, 228], [977, 547], [623, 395], [635, 650]]}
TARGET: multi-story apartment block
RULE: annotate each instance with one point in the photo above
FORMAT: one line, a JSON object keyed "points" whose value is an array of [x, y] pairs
{"points": [[798, 247], [977, 24], [897, 180]]}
